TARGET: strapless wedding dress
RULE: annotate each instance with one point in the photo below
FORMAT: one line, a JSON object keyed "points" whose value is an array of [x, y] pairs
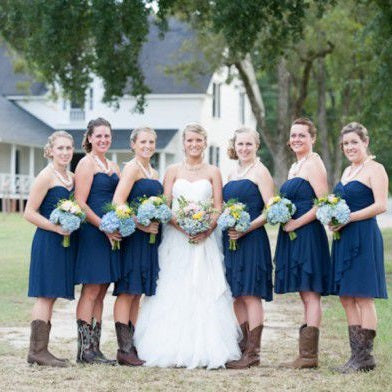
{"points": [[190, 321]]}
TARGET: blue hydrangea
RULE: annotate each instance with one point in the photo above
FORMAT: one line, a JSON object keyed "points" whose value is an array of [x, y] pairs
{"points": [[148, 212], [226, 221], [243, 222], [325, 213], [163, 213], [126, 227], [341, 213], [109, 222], [68, 222], [279, 213], [192, 226]]}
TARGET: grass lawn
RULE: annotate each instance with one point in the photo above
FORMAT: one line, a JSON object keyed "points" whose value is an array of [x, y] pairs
{"points": [[15, 374]]}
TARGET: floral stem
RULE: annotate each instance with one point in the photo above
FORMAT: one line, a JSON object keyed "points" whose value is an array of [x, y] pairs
{"points": [[152, 238], [66, 241], [292, 235], [336, 235]]}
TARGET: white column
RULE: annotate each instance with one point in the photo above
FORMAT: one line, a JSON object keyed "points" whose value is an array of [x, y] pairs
{"points": [[13, 167], [162, 164], [31, 162], [114, 157]]}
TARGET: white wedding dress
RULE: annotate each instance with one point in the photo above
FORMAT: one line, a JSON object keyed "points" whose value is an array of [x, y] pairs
{"points": [[190, 321]]}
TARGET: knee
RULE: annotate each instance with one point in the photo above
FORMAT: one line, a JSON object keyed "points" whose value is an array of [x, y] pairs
{"points": [[90, 293], [365, 303], [347, 302], [311, 300]]}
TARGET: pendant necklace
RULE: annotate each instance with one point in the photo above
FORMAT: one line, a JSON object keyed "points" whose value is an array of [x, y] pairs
{"points": [[353, 172], [66, 181], [147, 172], [105, 168], [296, 166], [196, 167]]}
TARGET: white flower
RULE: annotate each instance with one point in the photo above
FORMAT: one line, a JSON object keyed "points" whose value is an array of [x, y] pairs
{"points": [[66, 205]]}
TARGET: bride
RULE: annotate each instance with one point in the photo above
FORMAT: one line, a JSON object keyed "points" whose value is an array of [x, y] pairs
{"points": [[190, 321]]}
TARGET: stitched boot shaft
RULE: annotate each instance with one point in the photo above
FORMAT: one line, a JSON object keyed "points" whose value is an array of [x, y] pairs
{"points": [[38, 352], [364, 360], [308, 349], [96, 340], [353, 333], [245, 332], [126, 353], [251, 355]]}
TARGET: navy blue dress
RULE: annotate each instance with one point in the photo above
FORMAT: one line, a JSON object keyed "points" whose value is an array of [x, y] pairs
{"points": [[302, 264], [139, 259], [52, 265], [249, 268], [96, 263], [358, 256]]}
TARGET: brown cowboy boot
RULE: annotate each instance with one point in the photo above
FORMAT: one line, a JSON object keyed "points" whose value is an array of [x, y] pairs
{"points": [[364, 360], [126, 353], [96, 339], [308, 349], [251, 355], [60, 359], [245, 332], [353, 334], [38, 352]]}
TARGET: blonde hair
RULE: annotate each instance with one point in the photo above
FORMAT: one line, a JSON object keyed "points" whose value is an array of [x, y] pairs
{"points": [[231, 149], [135, 132], [51, 139], [194, 127], [92, 124]]}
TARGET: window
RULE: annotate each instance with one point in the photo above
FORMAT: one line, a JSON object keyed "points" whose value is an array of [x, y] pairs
{"points": [[216, 98], [213, 155], [242, 108], [76, 112], [91, 99]]}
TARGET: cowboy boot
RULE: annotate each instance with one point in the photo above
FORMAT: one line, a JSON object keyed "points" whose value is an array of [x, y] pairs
{"points": [[308, 349], [353, 334], [126, 353], [38, 352], [60, 359], [245, 332], [364, 360], [96, 338], [251, 355]]}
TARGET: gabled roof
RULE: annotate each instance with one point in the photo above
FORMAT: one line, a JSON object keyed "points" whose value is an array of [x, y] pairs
{"points": [[120, 138], [156, 55], [20, 127], [11, 83]]}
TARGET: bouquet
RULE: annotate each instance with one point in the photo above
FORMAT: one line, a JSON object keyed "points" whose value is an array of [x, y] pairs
{"points": [[153, 209], [194, 217], [118, 218], [280, 210], [332, 210], [69, 216], [234, 216]]}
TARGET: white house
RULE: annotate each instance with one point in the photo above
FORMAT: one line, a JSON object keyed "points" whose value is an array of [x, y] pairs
{"points": [[27, 119]]}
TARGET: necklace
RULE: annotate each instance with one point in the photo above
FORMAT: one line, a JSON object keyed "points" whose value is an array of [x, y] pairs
{"points": [[196, 167], [66, 181], [354, 171], [296, 166], [147, 172], [247, 168], [105, 168]]}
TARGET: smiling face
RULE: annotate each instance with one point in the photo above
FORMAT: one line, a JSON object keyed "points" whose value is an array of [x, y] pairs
{"points": [[194, 144], [61, 151], [301, 141], [354, 148], [101, 139], [245, 147], [144, 145]]}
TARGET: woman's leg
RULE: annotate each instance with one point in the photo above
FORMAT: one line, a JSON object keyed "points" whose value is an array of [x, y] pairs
{"points": [[43, 308], [134, 310], [254, 311], [352, 310], [312, 307], [368, 313], [87, 301], [98, 305], [240, 310]]}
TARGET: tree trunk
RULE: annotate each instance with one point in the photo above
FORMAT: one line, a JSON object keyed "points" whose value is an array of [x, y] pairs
{"points": [[322, 119]]}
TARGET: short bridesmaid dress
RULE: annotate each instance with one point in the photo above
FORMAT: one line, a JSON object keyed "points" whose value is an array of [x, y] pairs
{"points": [[249, 268], [302, 264], [358, 256], [139, 259], [52, 265], [96, 262]]}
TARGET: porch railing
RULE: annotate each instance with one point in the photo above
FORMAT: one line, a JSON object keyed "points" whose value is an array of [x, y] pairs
{"points": [[15, 186]]}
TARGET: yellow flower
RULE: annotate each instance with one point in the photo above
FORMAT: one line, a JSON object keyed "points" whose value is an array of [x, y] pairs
{"points": [[235, 214], [276, 199], [198, 215], [123, 211]]}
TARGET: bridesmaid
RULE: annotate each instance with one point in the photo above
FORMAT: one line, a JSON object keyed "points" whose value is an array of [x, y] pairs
{"points": [[139, 258], [52, 265], [249, 269], [303, 265], [358, 257], [97, 265]]}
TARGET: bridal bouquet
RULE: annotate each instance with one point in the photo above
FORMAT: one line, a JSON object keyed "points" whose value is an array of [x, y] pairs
{"points": [[194, 217], [153, 209], [234, 216], [118, 218], [280, 210], [69, 216], [332, 210]]}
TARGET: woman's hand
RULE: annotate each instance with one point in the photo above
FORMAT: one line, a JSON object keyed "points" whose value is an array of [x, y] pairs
{"points": [[235, 235], [116, 236], [200, 237], [291, 225], [152, 228], [59, 230]]}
